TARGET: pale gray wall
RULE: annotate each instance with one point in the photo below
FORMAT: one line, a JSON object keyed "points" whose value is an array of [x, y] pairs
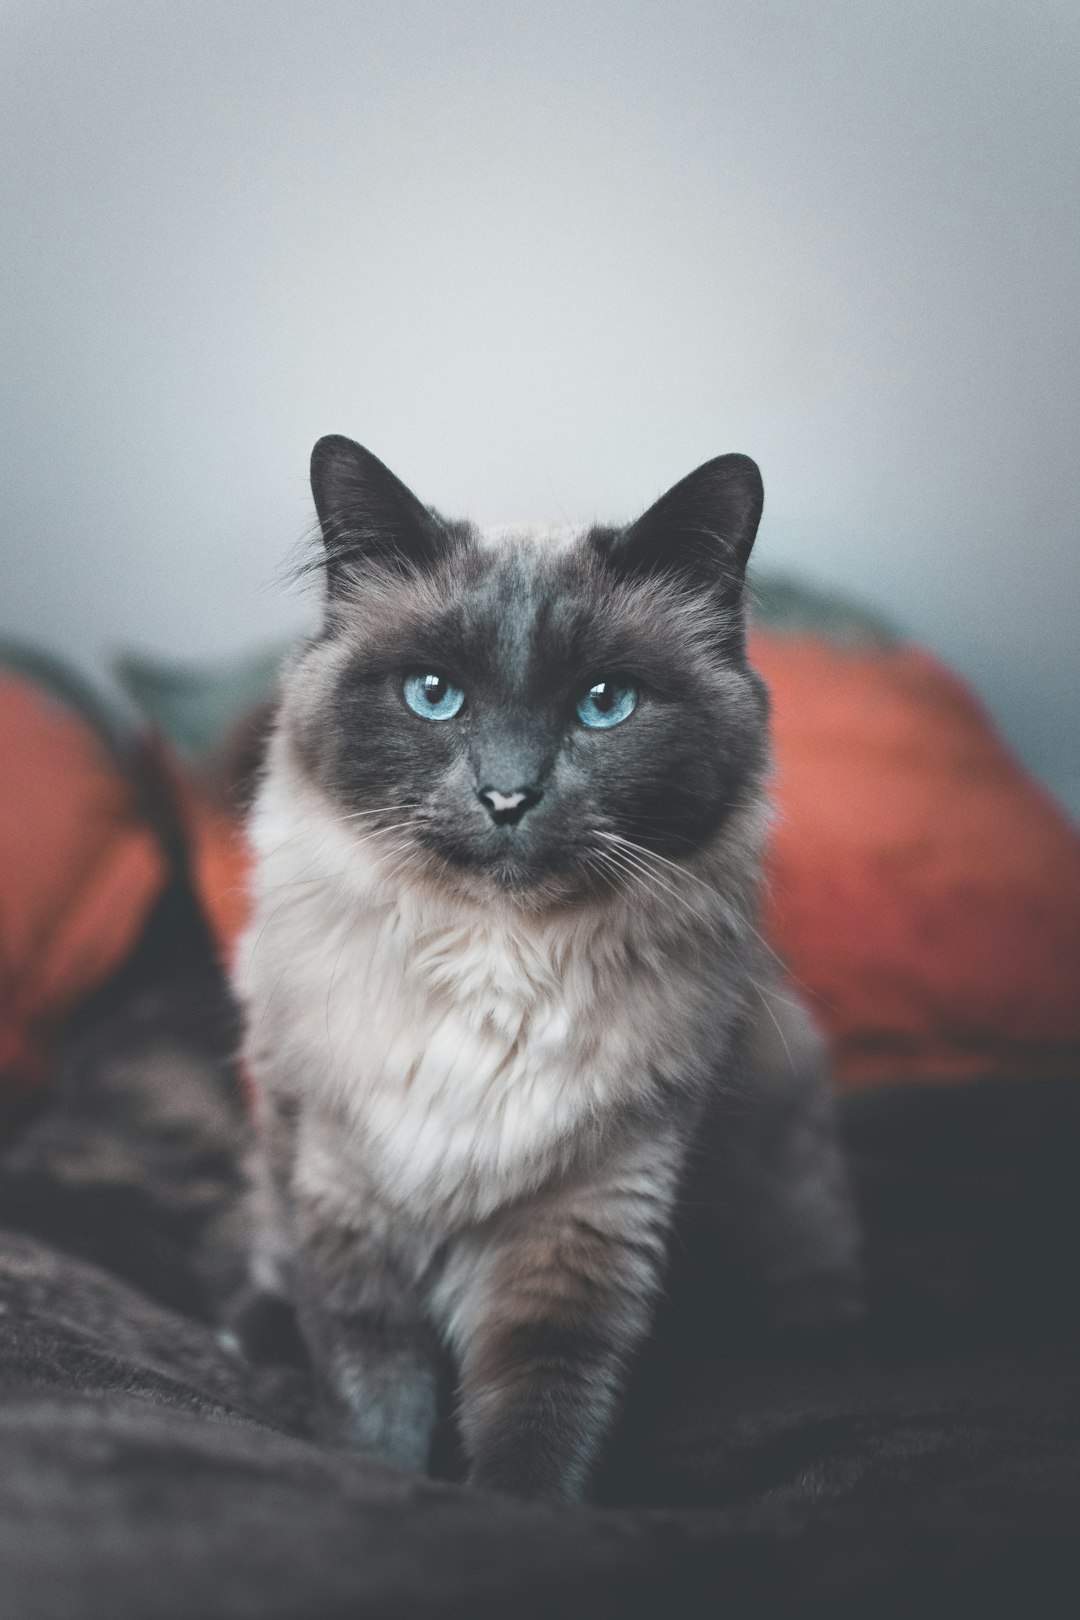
{"points": [[544, 258]]}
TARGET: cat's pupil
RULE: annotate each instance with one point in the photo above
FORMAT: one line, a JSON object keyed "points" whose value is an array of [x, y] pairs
{"points": [[434, 689], [603, 695]]}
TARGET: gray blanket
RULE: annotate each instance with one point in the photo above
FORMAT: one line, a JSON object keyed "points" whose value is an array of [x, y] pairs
{"points": [[930, 1466]]}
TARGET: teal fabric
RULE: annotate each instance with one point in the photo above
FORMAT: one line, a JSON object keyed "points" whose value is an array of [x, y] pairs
{"points": [[195, 706], [68, 688], [782, 602]]}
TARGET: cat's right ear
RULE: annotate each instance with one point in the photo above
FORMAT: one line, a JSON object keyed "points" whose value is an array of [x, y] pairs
{"points": [[367, 515]]}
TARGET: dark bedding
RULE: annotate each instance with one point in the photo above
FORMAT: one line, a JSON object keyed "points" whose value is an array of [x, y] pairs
{"points": [[933, 1464]]}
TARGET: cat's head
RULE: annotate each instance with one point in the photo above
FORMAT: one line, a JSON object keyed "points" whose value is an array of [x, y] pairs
{"points": [[519, 710]]}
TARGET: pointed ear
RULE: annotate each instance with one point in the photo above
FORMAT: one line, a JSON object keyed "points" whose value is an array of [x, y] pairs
{"points": [[702, 529], [367, 515]]}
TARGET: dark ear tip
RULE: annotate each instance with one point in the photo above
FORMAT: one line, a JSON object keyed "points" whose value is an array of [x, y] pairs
{"points": [[336, 465], [739, 477], [739, 469], [330, 446]]}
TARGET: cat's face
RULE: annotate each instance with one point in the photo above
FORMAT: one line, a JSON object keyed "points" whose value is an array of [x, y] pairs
{"points": [[525, 710]]}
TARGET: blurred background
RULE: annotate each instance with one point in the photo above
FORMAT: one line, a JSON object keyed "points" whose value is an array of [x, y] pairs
{"points": [[543, 261]]}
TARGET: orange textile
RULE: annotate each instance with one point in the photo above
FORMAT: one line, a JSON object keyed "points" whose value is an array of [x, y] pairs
{"points": [[79, 871], [923, 890]]}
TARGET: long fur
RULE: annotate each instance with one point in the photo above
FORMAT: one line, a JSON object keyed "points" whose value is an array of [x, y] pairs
{"points": [[481, 1065]]}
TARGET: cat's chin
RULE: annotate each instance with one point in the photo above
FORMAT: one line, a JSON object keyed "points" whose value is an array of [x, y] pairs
{"points": [[519, 890], [518, 883]]}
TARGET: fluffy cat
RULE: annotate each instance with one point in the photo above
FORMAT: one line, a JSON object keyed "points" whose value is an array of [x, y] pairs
{"points": [[504, 977]]}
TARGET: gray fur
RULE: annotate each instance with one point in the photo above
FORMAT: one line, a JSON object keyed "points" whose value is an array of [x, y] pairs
{"points": [[488, 1047]]}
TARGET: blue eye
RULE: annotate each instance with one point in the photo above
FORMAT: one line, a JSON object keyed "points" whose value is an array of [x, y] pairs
{"points": [[607, 703], [432, 697]]}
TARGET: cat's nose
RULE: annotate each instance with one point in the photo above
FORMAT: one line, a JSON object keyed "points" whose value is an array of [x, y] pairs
{"points": [[506, 808]]}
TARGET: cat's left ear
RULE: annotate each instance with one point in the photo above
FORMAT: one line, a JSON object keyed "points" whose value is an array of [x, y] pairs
{"points": [[702, 530]]}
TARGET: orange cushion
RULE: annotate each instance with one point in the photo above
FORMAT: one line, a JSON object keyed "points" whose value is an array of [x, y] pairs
{"points": [[79, 871], [924, 891]]}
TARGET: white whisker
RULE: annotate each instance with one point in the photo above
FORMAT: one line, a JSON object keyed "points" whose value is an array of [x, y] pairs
{"points": [[683, 871], [638, 874], [378, 810], [639, 856], [762, 997]]}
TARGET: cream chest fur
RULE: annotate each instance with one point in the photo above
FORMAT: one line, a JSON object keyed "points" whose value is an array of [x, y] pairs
{"points": [[451, 1053]]}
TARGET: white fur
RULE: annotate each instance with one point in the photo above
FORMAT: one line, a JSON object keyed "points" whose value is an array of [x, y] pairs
{"points": [[452, 1051]]}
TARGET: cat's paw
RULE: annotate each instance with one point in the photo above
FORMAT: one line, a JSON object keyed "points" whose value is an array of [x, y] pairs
{"points": [[524, 1483]]}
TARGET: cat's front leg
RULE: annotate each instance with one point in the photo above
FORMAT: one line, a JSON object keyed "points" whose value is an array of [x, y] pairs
{"points": [[372, 1348], [546, 1309]]}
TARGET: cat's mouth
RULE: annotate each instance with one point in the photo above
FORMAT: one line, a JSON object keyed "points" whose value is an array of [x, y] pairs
{"points": [[507, 859]]}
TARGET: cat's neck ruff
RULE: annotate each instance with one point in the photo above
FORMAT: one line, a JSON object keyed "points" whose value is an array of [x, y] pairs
{"points": [[445, 1036]]}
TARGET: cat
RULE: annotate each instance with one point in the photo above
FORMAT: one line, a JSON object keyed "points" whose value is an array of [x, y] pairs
{"points": [[503, 975]]}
